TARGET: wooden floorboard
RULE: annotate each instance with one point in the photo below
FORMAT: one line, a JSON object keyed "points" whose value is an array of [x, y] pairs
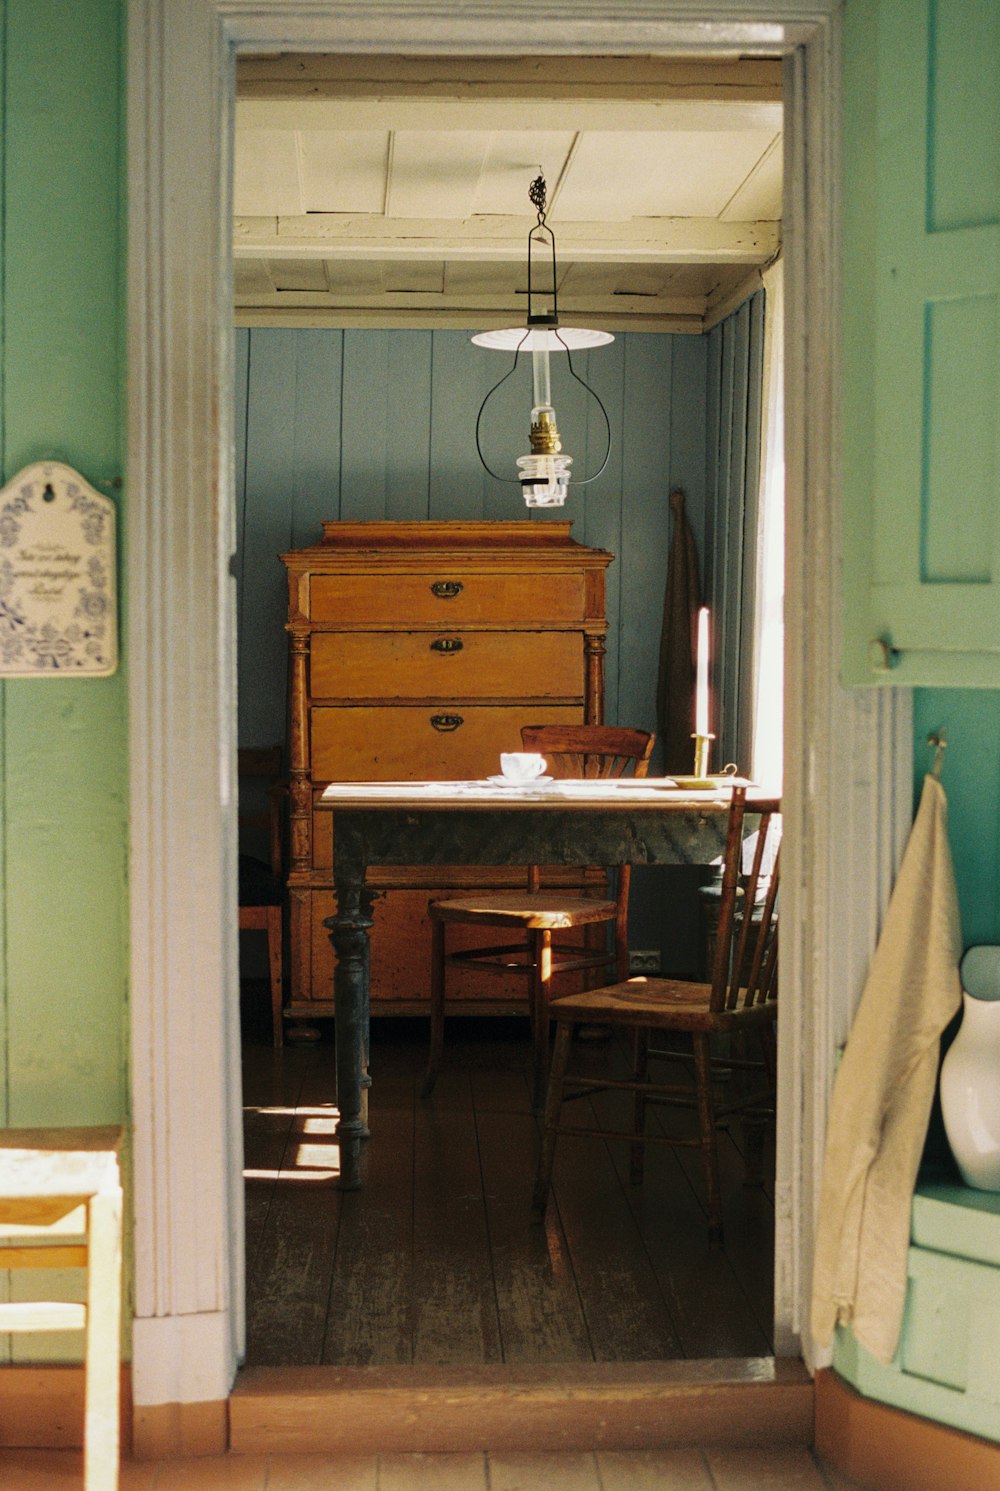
{"points": [[669, 1213], [288, 1285], [370, 1311], [272, 1087], [628, 1318], [538, 1302], [455, 1314], [437, 1262]]}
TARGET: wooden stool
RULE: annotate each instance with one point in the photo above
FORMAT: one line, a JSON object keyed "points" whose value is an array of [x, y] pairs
{"points": [[61, 1207]]}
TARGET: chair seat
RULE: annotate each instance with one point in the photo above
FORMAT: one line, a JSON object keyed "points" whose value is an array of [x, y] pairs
{"points": [[258, 885], [646, 1001], [539, 912]]}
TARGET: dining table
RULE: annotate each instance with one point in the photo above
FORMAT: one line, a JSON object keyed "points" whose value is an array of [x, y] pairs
{"points": [[566, 821]]}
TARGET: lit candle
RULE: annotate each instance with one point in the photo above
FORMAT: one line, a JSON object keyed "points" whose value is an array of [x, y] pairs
{"points": [[701, 681]]}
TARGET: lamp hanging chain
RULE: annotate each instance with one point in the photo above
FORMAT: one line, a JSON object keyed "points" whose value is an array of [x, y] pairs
{"points": [[537, 195], [541, 233]]}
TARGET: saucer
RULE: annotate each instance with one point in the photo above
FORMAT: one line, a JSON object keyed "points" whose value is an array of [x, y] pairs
{"points": [[509, 782]]}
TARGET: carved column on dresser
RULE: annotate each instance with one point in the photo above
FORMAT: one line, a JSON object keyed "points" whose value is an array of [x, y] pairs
{"points": [[594, 651]]}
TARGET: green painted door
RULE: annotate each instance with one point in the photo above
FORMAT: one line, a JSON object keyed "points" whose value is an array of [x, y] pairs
{"points": [[922, 341]]}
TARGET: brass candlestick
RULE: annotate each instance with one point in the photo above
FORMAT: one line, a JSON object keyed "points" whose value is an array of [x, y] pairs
{"points": [[701, 744]]}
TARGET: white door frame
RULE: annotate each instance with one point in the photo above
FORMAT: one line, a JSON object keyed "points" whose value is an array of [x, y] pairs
{"points": [[847, 797]]}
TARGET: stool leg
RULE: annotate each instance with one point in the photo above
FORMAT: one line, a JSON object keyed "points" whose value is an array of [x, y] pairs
{"points": [[640, 1072], [102, 1349], [437, 1008], [553, 1105], [541, 978]]}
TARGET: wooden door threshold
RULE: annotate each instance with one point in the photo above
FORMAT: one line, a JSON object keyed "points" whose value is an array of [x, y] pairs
{"points": [[595, 1406]]}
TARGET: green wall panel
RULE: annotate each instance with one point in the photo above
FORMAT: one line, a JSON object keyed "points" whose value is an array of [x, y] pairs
{"points": [[64, 786], [960, 474], [921, 317], [963, 64]]}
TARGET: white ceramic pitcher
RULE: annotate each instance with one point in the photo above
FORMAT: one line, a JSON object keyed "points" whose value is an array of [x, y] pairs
{"points": [[970, 1073]]}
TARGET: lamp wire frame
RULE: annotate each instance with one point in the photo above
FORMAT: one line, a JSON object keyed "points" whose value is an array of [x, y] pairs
{"points": [[537, 194], [515, 481]]}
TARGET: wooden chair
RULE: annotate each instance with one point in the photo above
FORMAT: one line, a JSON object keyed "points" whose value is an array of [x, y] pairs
{"points": [[740, 1000], [571, 751], [261, 882], [61, 1207]]}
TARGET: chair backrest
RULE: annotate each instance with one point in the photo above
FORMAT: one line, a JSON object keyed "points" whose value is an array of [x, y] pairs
{"points": [[745, 971], [261, 767], [590, 750], [594, 751]]}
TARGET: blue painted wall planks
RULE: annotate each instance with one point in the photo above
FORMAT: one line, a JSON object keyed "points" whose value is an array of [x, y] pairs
{"points": [[381, 424]]}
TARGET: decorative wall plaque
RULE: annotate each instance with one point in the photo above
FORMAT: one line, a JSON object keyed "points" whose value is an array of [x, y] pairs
{"points": [[58, 609]]}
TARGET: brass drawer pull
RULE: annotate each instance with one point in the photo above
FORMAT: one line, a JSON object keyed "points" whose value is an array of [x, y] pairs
{"points": [[447, 644], [446, 721], [446, 590]]}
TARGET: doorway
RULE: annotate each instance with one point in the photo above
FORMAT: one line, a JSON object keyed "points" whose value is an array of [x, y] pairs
{"points": [[188, 1333], [373, 1279]]}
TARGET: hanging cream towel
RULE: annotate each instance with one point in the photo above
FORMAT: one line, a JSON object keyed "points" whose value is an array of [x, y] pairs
{"points": [[883, 1092]]}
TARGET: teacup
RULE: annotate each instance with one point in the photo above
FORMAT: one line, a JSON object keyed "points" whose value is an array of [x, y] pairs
{"points": [[521, 766]]}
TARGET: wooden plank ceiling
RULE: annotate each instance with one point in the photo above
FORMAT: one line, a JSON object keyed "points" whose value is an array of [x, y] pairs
{"points": [[377, 191]]}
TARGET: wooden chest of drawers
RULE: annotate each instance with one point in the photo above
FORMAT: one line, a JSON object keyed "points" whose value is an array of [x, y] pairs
{"points": [[418, 650]]}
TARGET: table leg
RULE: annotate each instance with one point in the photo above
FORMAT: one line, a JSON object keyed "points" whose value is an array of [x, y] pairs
{"points": [[349, 931], [367, 901]]}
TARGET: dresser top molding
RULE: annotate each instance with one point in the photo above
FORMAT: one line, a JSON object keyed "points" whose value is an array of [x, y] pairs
{"points": [[391, 543]]}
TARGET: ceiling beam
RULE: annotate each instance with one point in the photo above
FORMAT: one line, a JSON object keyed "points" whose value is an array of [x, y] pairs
{"points": [[495, 308], [392, 318], [310, 75], [653, 240], [478, 112]]}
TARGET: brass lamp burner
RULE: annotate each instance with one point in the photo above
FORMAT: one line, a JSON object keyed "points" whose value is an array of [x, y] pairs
{"points": [[544, 434]]}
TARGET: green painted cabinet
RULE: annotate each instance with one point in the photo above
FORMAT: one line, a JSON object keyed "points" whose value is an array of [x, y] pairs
{"points": [[922, 341], [947, 1366]]}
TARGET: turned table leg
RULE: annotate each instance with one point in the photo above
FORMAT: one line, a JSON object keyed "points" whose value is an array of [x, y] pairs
{"points": [[349, 931]]}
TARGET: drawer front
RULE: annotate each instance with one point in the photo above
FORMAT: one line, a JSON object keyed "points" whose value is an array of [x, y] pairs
{"points": [[407, 743], [449, 665], [449, 597]]}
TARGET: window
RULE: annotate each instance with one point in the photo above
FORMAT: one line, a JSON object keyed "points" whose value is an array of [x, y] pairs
{"points": [[769, 630]]}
